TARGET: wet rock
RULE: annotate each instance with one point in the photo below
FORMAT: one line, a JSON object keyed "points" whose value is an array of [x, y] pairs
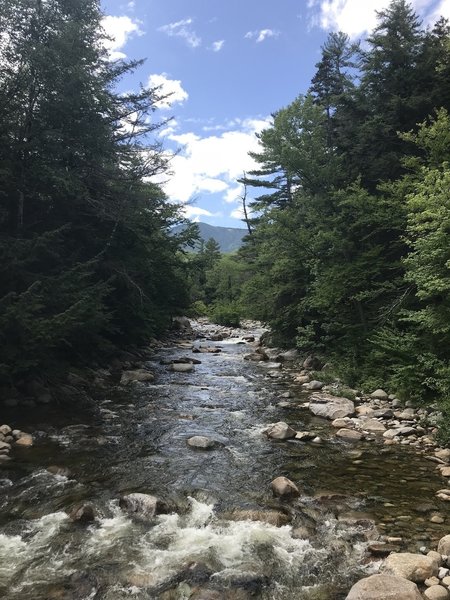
{"points": [[181, 367], [312, 363], [143, 506], [436, 592], [444, 545], [24, 441], [201, 442], [381, 550], [182, 324], [301, 379], [349, 435], [284, 488], [379, 395], [56, 470], [305, 436], [271, 517], [137, 375], [414, 567], [280, 431], [82, 514], [331, 407], [445, 471], [384, 587], [438, 519], [255, 357], [5, 429]]}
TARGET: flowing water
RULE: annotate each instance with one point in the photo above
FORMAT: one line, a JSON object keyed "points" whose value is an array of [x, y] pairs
{"points": [[135, 441]]}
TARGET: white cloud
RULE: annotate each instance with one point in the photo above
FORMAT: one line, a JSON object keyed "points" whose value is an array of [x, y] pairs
{"points": [[217, 46], [195, 211], [212, 163], [237, 213], [171, 90], [261, 35], [182, 29], [119, 30], [356, 17]]}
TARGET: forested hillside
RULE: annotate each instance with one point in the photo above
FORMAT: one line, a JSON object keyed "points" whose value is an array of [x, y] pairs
{"points": [[87, 262], [349, 256]]}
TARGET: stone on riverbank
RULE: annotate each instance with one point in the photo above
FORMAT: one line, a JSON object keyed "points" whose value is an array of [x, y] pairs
{"points": [[436, 592], [349, 435], [280, 431], [414, 567], [331, 407], [24, 441], [138, 375], [379, 395], [284, 488], [444, 545], [384, 587]]}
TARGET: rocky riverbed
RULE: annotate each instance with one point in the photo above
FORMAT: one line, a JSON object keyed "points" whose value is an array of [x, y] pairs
{"points": [[209, 467]]}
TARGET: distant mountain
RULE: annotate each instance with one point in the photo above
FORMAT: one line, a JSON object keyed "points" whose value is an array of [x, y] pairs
{"points": [[228, 238]]}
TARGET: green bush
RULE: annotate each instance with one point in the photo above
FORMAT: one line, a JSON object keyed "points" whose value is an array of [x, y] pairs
{"points": [[198, 309], [225, 315]]}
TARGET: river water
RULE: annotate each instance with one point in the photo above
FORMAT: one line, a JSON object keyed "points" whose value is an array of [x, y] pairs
{"points": [[135, 441]]}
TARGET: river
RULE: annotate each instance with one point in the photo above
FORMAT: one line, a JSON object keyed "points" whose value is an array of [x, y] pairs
{"points": [[134, 440]]}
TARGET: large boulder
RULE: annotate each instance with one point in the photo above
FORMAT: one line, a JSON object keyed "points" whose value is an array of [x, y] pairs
{"points": [[350, 435], [143, 506], [414, 567], [272, 517], [436, 592], [312, 363], [331, 407], [284, 488], [181, 323], [280, 431], [379, 395], [384, 587], [181, 367]]}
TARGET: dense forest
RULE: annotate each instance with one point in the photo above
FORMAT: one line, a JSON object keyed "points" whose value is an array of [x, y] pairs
{"points": [[87, 262], [348, 250]]}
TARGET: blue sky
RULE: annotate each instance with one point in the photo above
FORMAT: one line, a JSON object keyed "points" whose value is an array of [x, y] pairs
{"points": [[228, 64]]}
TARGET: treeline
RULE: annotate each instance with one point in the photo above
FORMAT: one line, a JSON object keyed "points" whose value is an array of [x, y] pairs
{"points": [[86, 260], [349, 255]]}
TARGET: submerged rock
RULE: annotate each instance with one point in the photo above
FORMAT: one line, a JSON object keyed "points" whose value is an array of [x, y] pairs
{"points": [[271, 517], [384, 587], [136, 375], [85, 513]]}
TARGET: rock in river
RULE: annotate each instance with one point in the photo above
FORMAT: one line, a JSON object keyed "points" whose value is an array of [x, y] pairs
{"points": [[384, 587], [284, 488], [331, 407], [181, 367], [143, 506], [201, 442], [280, 431], [414, 567], [350, 435]]}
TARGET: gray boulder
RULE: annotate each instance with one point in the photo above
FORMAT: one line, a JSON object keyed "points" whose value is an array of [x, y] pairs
{"points": [[384, 587], [136, 375], [284, 488], [414, 567], [331, 407], [143, 506]]}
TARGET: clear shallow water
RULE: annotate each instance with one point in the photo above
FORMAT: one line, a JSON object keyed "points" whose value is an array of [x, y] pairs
{"points": [[135, 441]]}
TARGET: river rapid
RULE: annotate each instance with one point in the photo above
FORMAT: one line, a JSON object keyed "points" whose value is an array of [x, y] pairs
{"points": [[210, 547]]}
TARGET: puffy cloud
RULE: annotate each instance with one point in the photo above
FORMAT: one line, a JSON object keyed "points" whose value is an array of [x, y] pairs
{"points": [[171, 90], [183, 30], [119, 30], [217, 46], [211, 164], [261, 35], [355, 17], [441, 10], [195, 212]]}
